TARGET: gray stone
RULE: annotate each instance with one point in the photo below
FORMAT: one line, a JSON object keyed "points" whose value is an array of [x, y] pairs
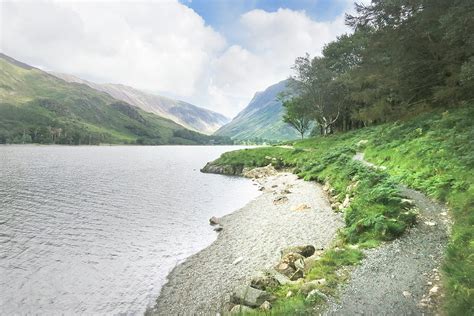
{"points": [[263, 281], [266, 306], [305, 251], [316, 294], [213, 220], [240, 309], [246, 295], [311, 285]]}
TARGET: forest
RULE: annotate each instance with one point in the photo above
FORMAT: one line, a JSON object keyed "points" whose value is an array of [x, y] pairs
{"points": [[404, 58]]}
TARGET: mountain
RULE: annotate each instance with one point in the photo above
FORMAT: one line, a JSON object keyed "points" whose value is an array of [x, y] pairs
{"points": [[36, 107], [186, 114], [261, 119]]}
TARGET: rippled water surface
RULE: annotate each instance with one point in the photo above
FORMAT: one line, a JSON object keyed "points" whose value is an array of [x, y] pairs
{"points": [[95, 230]]}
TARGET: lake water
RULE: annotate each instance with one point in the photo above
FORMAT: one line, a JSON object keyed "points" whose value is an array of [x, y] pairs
{"points": [[95, 230]]}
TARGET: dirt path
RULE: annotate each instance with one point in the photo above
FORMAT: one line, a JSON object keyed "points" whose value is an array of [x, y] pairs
{"points": [[400, 277]]}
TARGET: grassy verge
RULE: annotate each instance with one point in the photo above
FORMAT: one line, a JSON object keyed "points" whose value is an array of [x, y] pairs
{"points": [[433, 153]]}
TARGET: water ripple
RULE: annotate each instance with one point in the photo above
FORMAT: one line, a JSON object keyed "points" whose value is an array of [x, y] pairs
{"points": [[95, 230]]}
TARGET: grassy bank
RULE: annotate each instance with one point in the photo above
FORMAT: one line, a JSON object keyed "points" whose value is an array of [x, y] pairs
{"points": [[433, 153]]}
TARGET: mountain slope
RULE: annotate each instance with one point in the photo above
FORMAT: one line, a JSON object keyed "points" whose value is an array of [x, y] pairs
{"points": [[262, 118], [186, 114], [36, 107]]}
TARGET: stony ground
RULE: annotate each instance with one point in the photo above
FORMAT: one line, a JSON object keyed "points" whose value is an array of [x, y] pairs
{"points": [[250, 242], [400, 277]]}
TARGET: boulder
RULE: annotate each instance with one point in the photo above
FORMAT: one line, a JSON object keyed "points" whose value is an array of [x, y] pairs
{"points": [[305, 251], [214, 220], [266, 306], [259, 172], [291, 265], [346, 202], [240, 309], [263, 282], [316, 295], [280, 278], [210, 167], [246, 295], [311, 285]]}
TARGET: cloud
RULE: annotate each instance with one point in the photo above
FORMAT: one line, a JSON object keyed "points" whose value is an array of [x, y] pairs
{"points": [[163, 46], [269, 44], [159, 45]]}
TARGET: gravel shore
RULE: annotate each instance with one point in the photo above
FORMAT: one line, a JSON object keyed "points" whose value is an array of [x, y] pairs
{"points": [[250, 242]]}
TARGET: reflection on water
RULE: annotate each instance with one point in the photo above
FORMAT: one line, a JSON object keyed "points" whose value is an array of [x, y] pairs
{"points": [[95, 230]]}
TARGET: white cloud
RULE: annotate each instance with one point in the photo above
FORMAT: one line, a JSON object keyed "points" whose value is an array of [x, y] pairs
{"points": [[163, 46], [270, 42], [159, 45]]}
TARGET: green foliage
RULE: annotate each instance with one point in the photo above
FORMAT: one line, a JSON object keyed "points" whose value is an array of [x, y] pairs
{"points": [[404, 58], [433, 153], [297, 114]]}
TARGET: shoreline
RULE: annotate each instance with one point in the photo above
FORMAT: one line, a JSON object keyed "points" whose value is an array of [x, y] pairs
{"points": [[251, 241]]}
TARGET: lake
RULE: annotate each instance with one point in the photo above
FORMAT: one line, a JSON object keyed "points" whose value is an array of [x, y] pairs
{"points": [[95, 230]]}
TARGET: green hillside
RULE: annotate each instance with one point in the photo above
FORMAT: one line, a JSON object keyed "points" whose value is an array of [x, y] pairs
{"points": [[261, 120], [36, 107]]}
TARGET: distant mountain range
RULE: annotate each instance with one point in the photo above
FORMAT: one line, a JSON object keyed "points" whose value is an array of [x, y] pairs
{"points": [[37, 107], [186, 114], [261, 119]]}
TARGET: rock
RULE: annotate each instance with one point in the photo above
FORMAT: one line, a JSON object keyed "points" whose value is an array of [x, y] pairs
{"points": [[266, 306], [305, 251], [213, 220], [430, 223], [361, 144], [285, 191], [289, 294], [263, 281], [222, 169], [218, 228], [406, 294], [346, 202], [291, 265], [316, 294], [274, 186], [259, 172], [246, 295], [280, 278], [261, 188], [336, 206], [434, 290], [407, 203], [236, 261], [280, 200], [352, 186], [240, 309], [326, 186], [311, 285], [300, 207]]}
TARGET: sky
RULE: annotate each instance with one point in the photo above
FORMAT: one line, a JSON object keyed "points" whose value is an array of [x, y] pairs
{"points": [[212, 53]]}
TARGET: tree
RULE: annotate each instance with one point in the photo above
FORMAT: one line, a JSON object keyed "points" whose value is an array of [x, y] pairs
{"points": [[298, 115], [312, 81]]}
